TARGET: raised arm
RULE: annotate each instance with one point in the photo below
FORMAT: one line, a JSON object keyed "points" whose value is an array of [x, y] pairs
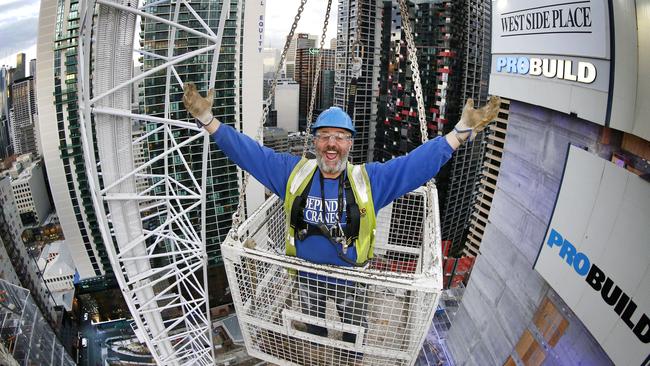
{"points": [[270, 168], [401, 175]]}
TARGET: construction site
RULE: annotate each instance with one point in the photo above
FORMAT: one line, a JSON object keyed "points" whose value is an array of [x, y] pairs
{"points": [[527, 247]]}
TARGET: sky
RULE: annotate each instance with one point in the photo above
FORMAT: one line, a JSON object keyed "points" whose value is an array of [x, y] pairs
{"points": [[19, 24]]}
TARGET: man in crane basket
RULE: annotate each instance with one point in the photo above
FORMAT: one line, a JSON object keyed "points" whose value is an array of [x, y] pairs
{"points": [[330, 205]]}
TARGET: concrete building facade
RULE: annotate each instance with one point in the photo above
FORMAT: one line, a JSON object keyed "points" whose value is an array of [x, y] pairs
{"points": [[532, 297], [30, 193], [504, 292], [57, 267]]}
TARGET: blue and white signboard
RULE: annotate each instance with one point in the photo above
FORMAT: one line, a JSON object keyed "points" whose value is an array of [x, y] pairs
{"points": [[555, 54], [596, 254]]}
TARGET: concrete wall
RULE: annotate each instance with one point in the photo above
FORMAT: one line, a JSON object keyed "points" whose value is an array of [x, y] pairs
{"points": [[504, 291]]}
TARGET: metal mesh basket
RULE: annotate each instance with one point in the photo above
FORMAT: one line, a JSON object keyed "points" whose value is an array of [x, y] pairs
{"points": [[293, 312]]}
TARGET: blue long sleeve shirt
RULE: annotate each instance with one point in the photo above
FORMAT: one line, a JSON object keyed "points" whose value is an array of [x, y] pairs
{"points": [[388, 181]]}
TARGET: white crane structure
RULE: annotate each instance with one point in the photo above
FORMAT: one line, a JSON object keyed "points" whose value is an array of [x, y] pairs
{"points": [[161, 267]]}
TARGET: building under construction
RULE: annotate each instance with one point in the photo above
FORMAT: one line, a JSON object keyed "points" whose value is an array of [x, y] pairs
{"points": [[466, 61], [453, 45]]}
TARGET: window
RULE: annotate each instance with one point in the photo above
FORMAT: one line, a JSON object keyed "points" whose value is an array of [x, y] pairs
{"points": [[550, 324]]}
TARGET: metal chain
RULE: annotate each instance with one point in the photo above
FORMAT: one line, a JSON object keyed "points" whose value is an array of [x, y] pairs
{"points": [[310, 113], [429, 224], [237, 217], [415, 70]]}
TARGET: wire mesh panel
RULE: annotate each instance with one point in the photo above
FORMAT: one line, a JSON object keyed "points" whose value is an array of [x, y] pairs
{"points": [[299, 313]]}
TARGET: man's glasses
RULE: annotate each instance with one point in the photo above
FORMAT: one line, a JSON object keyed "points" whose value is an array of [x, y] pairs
{"points": [[338, 137]]}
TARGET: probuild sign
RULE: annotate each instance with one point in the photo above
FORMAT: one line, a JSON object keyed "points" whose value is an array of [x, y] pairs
{"points": [[596, 254], [553, 53]]}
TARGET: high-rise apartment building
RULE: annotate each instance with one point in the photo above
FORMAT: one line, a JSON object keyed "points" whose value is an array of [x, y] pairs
{"points": [[466, 61], [364, 16], [30, 193], [276, 138], [453, 45], [56, 69], [238, 91], [306, 63], [299, 40], [398, 126], [23, 117]]}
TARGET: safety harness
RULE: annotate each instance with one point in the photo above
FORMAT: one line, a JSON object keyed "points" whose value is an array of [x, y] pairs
{"points": [[336, 234]]}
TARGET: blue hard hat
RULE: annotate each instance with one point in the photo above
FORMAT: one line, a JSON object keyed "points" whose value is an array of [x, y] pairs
{"points": [[334, 117]]}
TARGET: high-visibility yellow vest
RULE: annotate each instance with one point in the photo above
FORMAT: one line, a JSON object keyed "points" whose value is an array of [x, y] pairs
{"points": [[302, 174]]}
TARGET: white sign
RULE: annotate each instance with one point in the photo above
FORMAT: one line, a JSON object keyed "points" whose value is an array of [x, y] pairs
{"points": [[555, 54], [576, 28], [596, 254]]}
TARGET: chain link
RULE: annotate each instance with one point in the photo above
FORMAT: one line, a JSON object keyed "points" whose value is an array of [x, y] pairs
{"points": [[429, 225], [415, 70], [238, 216], [310, 113]]}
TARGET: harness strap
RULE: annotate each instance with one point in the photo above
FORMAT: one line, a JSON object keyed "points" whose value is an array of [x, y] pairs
{"points": [[352, 213], [298, 207], [303, 229]]}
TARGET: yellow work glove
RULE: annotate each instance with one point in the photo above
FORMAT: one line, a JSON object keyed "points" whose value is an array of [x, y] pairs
{"points": [[474, 120], [199, 107]]}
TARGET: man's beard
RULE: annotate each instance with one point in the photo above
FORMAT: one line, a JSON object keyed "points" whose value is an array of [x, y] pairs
{"points": [[338, 168]]}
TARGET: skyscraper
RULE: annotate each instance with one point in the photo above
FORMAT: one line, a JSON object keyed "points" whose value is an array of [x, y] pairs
{"points": [[61, 138], [28, 337], [398, 126], [23, 117], [470, 30], [21, 64], [364, 15], [232, 83], [452, 40], [306, 62], [300, 40]]}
